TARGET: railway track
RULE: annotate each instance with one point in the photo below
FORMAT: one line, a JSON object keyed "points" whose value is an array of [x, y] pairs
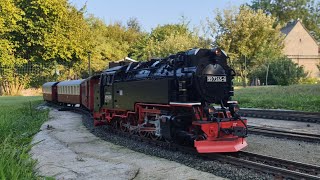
{"points": [[313, 117], [279, 168], [279, 133]]}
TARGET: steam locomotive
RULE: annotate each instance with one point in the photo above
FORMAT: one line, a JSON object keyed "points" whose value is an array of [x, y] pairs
{"points": [[170, 98]]}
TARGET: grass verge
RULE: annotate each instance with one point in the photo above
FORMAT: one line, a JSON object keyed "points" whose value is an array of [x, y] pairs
{"points": [[19, 122], [295, 97]]}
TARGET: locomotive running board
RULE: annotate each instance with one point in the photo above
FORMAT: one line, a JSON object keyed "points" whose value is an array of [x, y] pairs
{"points": [[206, 146]]}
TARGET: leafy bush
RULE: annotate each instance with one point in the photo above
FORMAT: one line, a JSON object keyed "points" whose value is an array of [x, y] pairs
{"points": [[309, 81], [281, 72]]}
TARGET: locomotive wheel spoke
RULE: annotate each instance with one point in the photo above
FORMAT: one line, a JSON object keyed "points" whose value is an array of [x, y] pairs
{"points": [[114, 124], [124, 126], [143, 134], [153, 136]]}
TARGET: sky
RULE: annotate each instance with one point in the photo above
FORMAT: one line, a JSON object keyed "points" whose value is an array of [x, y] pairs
{"points": [[151, 13]]}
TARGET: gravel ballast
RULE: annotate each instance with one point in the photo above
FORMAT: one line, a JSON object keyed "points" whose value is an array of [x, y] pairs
{"points": [[214, 167], [300, 151], [285, 149]]}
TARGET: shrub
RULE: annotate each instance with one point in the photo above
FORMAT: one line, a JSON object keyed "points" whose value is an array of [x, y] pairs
{"points": [[309, 81], [281, 72]]}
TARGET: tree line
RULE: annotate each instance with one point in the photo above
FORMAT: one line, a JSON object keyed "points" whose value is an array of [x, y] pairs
{"points": [[53, 39]]}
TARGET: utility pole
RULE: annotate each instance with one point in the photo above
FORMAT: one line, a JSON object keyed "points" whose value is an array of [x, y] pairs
{"points": [[267, 74], [245, 71], [89, 63]]}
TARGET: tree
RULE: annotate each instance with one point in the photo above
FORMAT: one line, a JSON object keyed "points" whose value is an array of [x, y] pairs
{"points": [[165, 40], [249, 38], [134, 24], [281, 72], [41, 34], [286, 10], [111, 42], [10, 82]]}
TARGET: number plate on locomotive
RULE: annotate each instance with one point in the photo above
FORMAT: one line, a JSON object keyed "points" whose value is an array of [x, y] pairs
{"points": [[216, 79]]}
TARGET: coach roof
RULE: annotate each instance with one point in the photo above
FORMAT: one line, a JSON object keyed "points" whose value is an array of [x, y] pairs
{"points": [[71, 82], [49, 84]]}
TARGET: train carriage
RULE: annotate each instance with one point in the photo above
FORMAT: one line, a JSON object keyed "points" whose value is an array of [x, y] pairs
{"points": [[69, 92], [49, 91], [88, 87]]}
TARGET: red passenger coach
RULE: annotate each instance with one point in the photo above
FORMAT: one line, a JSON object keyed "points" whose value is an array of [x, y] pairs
{"points": [[88, 87], [49, 91], [69, 92]]}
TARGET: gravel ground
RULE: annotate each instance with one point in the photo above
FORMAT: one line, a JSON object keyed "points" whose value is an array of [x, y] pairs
{"points": [[287, 125], [283, 148], [217, 168], [287, 149]]}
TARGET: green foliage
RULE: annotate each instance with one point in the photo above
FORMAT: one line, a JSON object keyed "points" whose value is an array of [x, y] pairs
{"points": [[294, 97], [281, 72], [19, 121], [134, 25], [286, 10], [309, 80], [285, 72], [165, 40], [39, 32], [112, 42], [248, 36], [54, 36]]}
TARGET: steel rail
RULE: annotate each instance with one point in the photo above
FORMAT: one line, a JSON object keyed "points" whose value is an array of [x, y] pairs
{"points": [[279, 133], [292, 165], [276, 167], [280, 168], [313, 117]]}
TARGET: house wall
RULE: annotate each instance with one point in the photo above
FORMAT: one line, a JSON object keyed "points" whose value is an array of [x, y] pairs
{"points": [[309, 64], [302, 49]]}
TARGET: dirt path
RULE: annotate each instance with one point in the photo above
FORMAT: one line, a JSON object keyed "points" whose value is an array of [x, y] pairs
{"points": [[67, 150]]}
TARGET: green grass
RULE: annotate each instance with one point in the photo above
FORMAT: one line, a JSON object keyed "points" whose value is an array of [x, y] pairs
{"points": [[295, 97], [19, 122]]}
